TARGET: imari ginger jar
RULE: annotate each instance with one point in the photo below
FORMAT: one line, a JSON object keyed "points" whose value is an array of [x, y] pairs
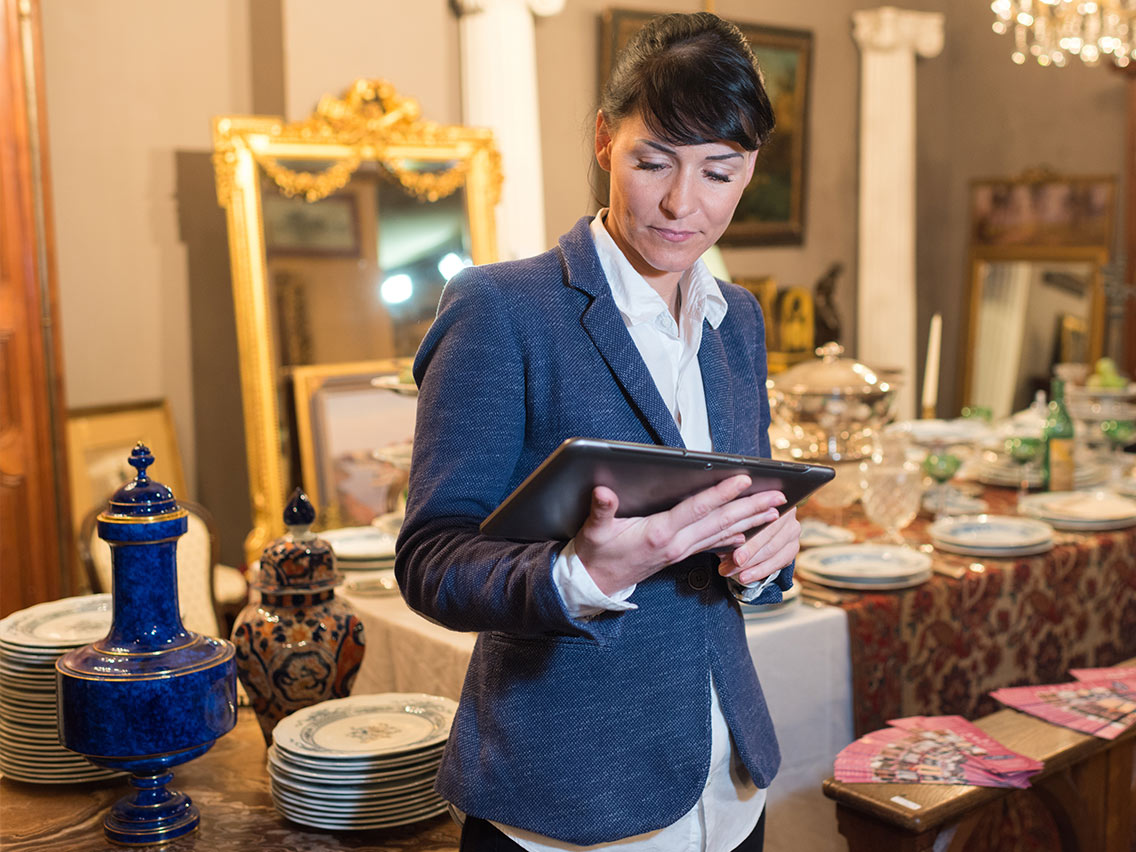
{"points": [[151, 694], [299, 645]]}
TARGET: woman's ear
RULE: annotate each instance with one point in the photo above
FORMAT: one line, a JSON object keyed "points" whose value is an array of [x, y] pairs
{"points": [[603, 142]]}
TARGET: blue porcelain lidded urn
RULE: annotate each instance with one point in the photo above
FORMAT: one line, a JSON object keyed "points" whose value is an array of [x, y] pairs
{"points": [[151, 694]]}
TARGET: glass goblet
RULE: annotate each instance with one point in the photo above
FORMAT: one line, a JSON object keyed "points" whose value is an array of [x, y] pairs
{"points": [[891, 498], [1023, 451], [1119, 433], [842, 491], [941, 466]]}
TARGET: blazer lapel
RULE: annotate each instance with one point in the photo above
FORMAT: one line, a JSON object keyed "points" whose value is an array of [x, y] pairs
{"points": [[717, 386], [603, 324]]}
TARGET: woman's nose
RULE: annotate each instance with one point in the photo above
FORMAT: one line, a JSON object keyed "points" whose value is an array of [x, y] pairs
{"points": [[678, 201]]}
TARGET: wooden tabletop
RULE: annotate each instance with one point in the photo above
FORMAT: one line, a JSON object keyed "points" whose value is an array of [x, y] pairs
{"points": [[939, 804], [229, 786]]}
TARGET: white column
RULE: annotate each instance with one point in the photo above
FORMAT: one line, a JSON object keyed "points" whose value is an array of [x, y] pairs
{"points": [[889, 40], [499, 91]]}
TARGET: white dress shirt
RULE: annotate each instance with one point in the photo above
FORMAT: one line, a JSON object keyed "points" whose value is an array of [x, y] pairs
{"points": [[731, 803]]}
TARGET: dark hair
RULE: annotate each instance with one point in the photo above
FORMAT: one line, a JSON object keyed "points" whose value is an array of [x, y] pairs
{"points": [[693, 79]]}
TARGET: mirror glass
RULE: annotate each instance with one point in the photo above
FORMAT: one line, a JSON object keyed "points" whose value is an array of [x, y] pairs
{"points": [[1031, 315], [1037, 246]]}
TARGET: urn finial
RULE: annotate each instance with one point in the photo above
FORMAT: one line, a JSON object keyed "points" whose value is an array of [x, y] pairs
{"points": [[299, 512], [141, 496]]}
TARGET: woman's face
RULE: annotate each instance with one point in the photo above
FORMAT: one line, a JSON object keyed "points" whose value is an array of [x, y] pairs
{"points": [[669, 203]]}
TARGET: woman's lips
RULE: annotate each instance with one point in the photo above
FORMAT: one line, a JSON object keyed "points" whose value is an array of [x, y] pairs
{"points": [[673, 236]]}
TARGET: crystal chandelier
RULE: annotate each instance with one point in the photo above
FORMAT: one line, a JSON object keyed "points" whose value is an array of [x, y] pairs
{"points": [[1052, 31]]}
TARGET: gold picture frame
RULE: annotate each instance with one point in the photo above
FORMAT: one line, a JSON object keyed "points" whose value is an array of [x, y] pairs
{"points": [[99, 441], [347, 415], [369, 125]]}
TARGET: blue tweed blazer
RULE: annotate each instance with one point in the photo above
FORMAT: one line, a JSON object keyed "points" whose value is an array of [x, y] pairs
{"points": [[593, 730]]}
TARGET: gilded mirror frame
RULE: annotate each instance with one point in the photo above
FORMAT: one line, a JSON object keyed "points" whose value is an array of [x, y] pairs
{"points": [[1061, 244], [370, 121]]}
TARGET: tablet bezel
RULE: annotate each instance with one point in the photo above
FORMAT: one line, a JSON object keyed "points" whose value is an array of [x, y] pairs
{"points": [[553, 501]]}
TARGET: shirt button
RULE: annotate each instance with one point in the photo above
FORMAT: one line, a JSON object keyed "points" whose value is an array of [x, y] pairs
{"points": [[698, 579]]}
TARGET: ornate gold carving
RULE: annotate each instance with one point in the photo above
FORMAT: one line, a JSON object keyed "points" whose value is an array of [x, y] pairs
{"points": [[368, 122]]}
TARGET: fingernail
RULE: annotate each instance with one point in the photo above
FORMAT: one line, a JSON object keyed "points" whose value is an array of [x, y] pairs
{"points": [[779, 500]]}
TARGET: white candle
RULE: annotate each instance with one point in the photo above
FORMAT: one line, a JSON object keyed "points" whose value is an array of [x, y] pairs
{"points": [[931, 369]]}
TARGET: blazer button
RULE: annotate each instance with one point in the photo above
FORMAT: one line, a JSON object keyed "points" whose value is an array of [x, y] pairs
{"points": [[698, 579]]}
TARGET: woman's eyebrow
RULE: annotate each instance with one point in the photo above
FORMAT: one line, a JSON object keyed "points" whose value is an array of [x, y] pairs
{"points": [[661, 147]]}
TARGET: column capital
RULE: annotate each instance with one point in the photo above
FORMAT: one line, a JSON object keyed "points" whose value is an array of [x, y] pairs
{"points": [[542, 8], [889, 28]]}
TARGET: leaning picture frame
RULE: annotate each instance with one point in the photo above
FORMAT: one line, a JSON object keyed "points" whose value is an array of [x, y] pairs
{"points": [[772, 208], [328, 227], [99, 441], [354, 426]]}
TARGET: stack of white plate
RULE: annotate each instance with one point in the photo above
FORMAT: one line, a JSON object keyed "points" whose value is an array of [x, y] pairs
{"points": [[1083, 511], [31, 640], [865, 567], [361, 548], [1001, 470], [992, 535], [368, 761]]}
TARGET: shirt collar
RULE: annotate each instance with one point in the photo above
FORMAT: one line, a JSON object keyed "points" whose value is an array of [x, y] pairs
{"points": [[639, 302]]}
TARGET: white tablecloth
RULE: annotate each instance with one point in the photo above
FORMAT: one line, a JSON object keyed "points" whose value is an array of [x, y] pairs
{"points": [[801, 657]]}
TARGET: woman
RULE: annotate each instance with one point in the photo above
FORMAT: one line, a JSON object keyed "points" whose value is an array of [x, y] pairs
{"points": [[610, 698]]}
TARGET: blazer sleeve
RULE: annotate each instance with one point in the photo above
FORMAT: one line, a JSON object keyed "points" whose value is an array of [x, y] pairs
{"points": [[469, 436]]}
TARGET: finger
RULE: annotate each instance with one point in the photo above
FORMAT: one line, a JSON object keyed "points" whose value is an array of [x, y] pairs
{"points": [[700, 505], [768, 541], [739, 515], [604, 504], [780, 559]]}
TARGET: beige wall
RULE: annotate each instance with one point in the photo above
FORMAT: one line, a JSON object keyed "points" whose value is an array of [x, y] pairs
{"points": [[127, 84], [132, 86]]}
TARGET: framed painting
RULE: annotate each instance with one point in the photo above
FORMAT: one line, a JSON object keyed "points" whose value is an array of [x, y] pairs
{"points": [[99, 441], [354, 425], [328, 227], [772, 208], [1043, 209]]}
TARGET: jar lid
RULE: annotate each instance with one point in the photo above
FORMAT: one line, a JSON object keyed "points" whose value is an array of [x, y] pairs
{"points": [[298, 562], [142, 497], [833, 374]]}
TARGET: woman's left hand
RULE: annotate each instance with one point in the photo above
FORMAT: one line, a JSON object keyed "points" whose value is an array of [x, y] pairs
{"points": [[769, 549]]}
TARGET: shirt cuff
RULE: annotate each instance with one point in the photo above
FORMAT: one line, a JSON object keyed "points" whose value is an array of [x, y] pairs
{"points": [[750, 593], [582, 597]]}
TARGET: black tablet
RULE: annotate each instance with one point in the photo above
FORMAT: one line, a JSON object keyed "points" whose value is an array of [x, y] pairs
{"points": [[553, 502]]}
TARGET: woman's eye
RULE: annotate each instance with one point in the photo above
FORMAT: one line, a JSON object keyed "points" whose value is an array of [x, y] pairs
{"points": [[646, 166], [719, 177]]}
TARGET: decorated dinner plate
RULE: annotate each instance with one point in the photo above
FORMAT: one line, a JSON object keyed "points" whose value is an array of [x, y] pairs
{"points": [[789, 600], [361, 823], [955, 503], [866, 586], [367, 725], [65, 623], [1081, 510], [990, 532], [962, 430], [864, 564], [359, 544], [816, 533]]}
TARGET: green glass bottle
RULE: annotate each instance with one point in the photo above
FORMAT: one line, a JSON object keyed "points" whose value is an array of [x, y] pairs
{"points": [[1057, 467]]}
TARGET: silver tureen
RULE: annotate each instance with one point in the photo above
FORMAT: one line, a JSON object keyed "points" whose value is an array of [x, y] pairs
{"points": [[830, 408]]}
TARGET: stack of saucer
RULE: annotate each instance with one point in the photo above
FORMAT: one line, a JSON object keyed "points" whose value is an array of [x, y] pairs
{"points": [[368, 761], [31, 640], [864, 567], [361, 548], [991, 535], [999, 469], [1082, 511]]}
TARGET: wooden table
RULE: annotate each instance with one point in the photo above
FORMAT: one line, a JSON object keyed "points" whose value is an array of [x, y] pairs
{"points": [[1083, 801], [228, 784]]}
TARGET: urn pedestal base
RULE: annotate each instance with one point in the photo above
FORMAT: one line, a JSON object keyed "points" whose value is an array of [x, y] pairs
{"points": [[151, 816]]}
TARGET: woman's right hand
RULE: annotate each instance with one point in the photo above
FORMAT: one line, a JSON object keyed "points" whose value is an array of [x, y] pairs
{"points": [[620, 552]]}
